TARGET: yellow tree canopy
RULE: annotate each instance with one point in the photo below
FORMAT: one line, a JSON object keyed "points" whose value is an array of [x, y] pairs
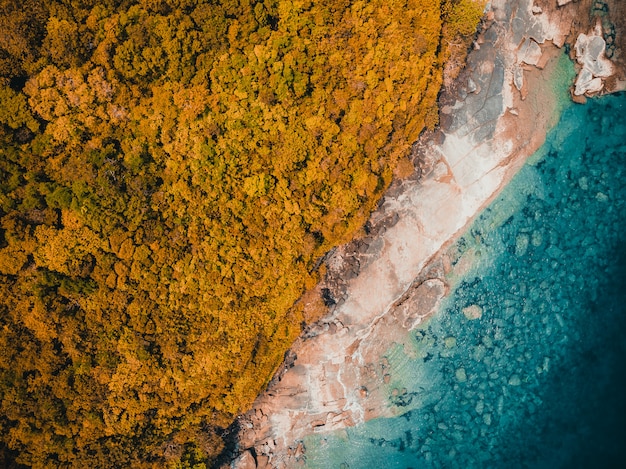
{"points": [[171, 172]]}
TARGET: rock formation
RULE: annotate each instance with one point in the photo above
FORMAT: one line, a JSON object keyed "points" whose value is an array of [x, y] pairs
{"points": [[595, 66], [494, 117]]}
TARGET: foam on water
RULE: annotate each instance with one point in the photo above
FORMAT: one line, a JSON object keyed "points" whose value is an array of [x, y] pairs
{"points": [[538, 379]]}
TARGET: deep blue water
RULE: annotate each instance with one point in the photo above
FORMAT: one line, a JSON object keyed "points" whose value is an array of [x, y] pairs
{"points": [[539, 380]]}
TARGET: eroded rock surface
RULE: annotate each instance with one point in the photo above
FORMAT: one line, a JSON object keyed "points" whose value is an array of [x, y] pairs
{"points": [[590, 54], [495, 116]]}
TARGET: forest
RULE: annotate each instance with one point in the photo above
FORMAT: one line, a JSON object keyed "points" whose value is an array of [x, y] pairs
{"points": [[171, 174]]}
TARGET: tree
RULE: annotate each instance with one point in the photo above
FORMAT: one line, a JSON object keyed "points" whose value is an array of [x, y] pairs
{"points": [[171, 174]]}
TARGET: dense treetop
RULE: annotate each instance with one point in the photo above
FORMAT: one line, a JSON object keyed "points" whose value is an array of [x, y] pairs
{"points": [[171, 173]]}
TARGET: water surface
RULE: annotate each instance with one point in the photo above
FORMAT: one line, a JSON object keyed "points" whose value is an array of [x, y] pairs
{"points": [[538, 380]]}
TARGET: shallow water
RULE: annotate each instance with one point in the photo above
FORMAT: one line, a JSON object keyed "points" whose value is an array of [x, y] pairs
{"points": [[538, 380]]}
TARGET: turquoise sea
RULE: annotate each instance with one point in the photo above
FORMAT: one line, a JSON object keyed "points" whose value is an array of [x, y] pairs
{"points": [[539, 380]]}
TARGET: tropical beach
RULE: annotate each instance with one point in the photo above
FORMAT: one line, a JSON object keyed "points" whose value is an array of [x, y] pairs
{"points": [[351, 382], [522, 364], [257, 234]]}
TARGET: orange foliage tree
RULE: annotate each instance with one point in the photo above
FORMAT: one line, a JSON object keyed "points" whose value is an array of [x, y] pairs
{"points": [[171, 173]]}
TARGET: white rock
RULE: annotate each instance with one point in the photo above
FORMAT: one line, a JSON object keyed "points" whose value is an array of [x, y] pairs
{"points": [[518, 77], [581, 46], [595, 85], [586, 83], [245, 461], [590, 54], [529, 53], [471, 86]]}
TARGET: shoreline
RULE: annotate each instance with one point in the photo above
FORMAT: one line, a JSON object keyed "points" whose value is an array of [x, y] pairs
{"points": [[338, 375]]}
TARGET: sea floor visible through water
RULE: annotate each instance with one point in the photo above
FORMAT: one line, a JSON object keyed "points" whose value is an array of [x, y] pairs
{"points": [[539, 379]]}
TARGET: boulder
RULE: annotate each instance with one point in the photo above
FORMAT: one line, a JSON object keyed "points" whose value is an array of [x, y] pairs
{"points": [[473, 312], [590, 53], [245, 461], [529, 53]]}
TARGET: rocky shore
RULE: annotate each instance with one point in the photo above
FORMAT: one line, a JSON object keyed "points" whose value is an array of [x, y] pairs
{"points": [[493, 117]]}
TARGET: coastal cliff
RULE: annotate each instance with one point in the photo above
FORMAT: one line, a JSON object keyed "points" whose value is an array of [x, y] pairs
{"points": [[493, 116]]}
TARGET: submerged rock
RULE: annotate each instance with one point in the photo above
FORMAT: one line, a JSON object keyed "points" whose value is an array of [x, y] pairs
{"points": [[473, 312], [450, 342], [521, 244], [515, 380]]}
